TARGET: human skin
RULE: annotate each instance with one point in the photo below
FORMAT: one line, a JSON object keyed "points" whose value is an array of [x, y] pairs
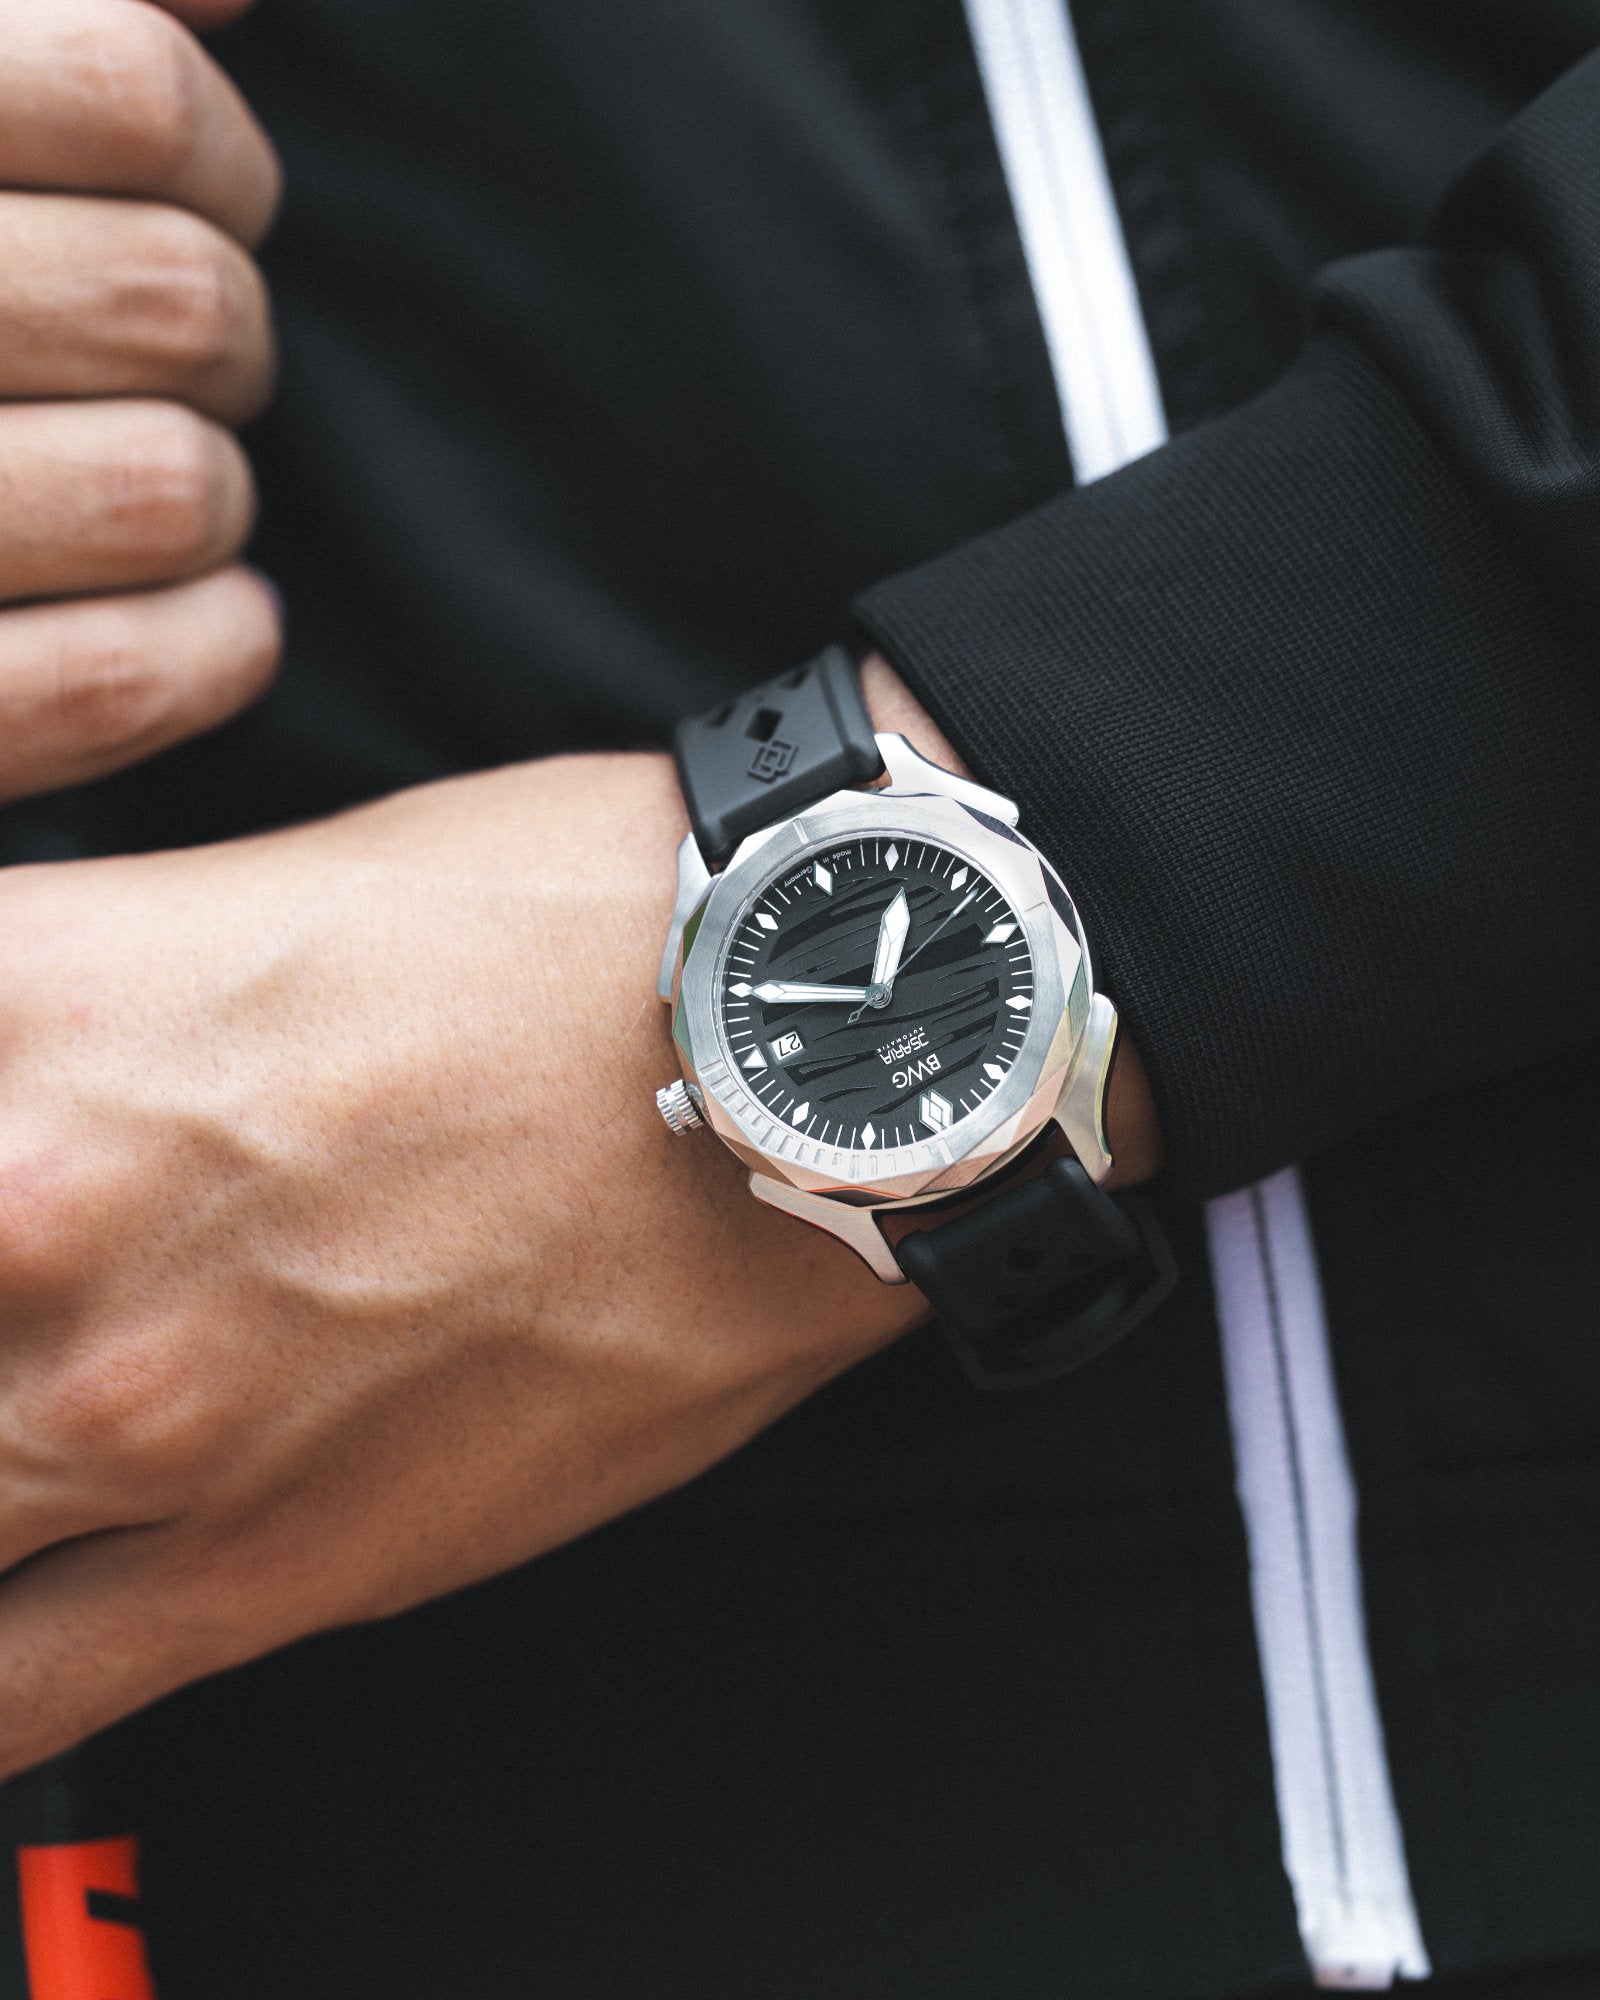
{"points": [[343, 1257], [134, 331]]}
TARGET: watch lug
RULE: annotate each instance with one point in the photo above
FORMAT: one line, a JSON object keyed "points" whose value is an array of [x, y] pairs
{"points": [[854, 1227], [694, 879], [909, 771], [1081, 1107]]}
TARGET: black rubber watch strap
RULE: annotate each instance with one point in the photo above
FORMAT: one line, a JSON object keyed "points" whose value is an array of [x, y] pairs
{"points": [[775, 751], [1042, 1274], [1041, 1277]]}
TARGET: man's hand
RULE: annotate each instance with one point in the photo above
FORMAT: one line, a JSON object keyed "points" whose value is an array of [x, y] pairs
{"points": [[134, 330], [344, 1258]]}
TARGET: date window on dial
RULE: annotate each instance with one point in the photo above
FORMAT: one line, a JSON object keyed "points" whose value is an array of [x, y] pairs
{"points": [[787, 1047]]}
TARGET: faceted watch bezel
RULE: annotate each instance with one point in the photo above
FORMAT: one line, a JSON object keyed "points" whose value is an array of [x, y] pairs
{"points": [[1019, 1107]]}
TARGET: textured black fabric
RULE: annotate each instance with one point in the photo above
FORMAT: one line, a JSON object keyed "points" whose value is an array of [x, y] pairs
{"points": [[1537, 1982], [1252, 146], [1322, 686], [1470, 1378], [624, 341]]}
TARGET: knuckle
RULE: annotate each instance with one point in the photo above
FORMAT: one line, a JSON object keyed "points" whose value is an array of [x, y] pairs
{"points": [[197, 313], [173, 487], [129, 1396], [144, 77], [51, 1193], [109, 686], [126, 1403]]}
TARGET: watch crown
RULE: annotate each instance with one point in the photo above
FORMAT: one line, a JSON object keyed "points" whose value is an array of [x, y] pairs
{"points": [[679, 1105]]}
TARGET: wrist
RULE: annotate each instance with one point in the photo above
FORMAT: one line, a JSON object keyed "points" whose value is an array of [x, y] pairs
{"points": [[1133, 1131], [896, 710]]}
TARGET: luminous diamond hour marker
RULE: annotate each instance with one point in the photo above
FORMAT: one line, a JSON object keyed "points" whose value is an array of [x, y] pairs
{"points": [[1000, 933], [892, 858], [800, 1114], [740, 989], [935, 1111], [1021, 1001], [869, 1136], [767, 923], [994, 1072], [823, 877], [755, 1060], [958, 878]]}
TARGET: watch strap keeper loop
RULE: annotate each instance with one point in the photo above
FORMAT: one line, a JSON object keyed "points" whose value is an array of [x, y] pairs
{"points": [[1040, 1278]]}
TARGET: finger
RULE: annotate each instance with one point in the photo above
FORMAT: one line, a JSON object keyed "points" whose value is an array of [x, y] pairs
{"points": [[90, 686], [88, 1634], [115, 97], [129, 298], [31, 1523], [116, 495], [96, 1628]]}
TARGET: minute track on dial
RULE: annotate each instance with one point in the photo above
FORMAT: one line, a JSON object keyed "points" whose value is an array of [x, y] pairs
{"points": [[895, 1074]]}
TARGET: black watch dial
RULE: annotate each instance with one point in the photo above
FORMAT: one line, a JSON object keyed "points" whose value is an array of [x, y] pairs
{"points": [[876, 993]]}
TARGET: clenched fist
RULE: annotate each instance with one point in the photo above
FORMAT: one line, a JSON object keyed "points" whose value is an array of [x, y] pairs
{"points": [[134, 329], [344, 1258]]}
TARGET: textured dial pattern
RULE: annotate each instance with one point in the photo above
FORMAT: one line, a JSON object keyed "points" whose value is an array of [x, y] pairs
{"points": [[876, 993]]}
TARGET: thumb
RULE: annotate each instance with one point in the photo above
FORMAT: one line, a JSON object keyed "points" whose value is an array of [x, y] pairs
{"points": [[204, 15]]}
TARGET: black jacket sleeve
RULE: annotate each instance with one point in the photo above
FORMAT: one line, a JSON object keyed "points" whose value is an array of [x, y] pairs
{"points": [[1306, 705]]}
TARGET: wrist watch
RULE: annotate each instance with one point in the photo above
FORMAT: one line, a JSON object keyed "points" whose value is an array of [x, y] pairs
{"points": [[882, 997]]}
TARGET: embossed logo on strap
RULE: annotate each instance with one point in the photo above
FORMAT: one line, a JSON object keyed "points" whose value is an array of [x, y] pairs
{"points": [[772, 761]]}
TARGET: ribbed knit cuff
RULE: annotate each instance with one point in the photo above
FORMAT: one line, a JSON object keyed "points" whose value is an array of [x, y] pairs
{"points": [[1310, 747]]}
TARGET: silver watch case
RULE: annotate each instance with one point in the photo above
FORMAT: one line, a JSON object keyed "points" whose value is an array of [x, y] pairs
{"points": [[1060, 1071]]}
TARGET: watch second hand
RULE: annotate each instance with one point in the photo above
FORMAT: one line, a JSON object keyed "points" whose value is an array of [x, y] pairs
{"points": [[967, 898]]}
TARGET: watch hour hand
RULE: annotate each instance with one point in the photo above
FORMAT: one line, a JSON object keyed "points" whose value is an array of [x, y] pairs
{"points": [[896, 922], [780, 990]]}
